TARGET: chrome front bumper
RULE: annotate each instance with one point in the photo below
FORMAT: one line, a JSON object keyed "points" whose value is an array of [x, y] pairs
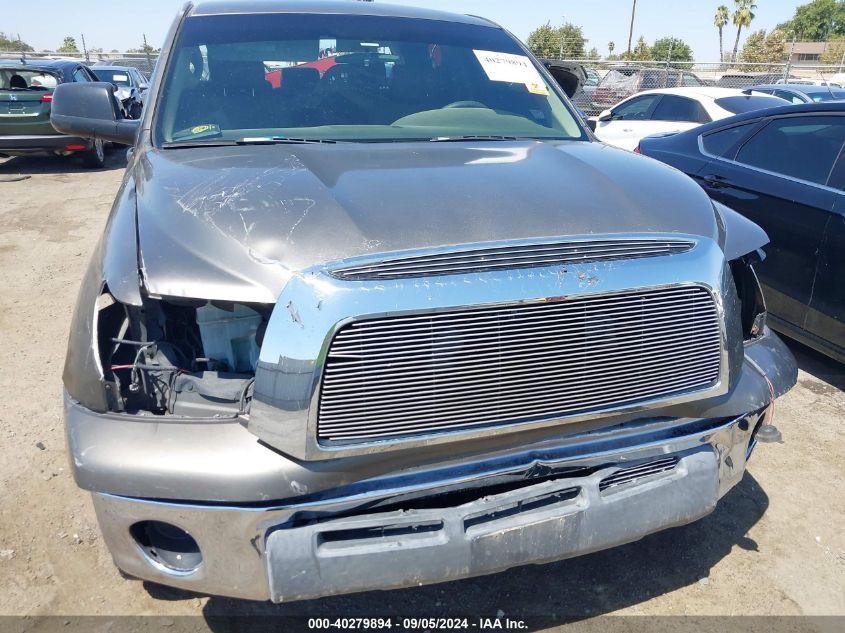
{"points": [[270, 527], [332, 545]]}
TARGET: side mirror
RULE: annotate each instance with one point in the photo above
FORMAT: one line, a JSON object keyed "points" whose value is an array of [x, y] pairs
{"points": [[607, 115], [142, 87], [90, 110]]}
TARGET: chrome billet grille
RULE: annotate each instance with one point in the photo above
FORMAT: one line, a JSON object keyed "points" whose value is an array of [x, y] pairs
{"points": [[637, 473], [511, 257], [411, 375]]}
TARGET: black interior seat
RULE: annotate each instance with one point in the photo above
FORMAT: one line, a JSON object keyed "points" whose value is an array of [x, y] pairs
{"points": [[245, 96]]}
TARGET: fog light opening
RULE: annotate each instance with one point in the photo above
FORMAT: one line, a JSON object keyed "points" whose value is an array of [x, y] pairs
{"points": [[167, 547]]}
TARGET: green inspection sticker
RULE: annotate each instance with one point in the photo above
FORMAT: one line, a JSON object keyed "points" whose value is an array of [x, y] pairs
{"points": [[198, 131]]}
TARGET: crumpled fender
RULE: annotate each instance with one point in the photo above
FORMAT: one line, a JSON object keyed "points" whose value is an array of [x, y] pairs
{"points": [[738, 235]]}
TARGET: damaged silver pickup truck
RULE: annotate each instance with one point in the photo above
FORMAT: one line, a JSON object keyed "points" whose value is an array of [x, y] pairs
{"points": [[373, 309]]}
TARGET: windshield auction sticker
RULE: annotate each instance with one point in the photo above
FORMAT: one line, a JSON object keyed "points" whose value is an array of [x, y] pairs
{"points": [[516, 69]]}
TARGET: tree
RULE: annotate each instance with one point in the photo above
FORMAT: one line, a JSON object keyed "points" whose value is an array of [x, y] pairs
{"points": [[817, 21], [544, 41], [834, 51], [7, 43], [742, 17], [721, 21], [761, 48], [642, 51], [610, 48], [594, 54], [671, 49], [566, 41], [573, 41], [68, 46]]}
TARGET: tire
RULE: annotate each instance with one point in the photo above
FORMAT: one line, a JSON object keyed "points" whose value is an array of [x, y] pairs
{"points": [[95, 158]]}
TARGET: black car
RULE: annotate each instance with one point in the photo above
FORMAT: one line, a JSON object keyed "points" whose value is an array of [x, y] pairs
{"points": [[784, 169]]}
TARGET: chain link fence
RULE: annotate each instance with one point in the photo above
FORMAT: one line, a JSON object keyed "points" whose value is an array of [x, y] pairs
{"points": [[612, 81]]}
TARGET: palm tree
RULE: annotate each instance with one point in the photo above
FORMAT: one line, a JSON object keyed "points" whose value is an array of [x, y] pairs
{"points": [[742, 17], [610, 47], [721, 21]]}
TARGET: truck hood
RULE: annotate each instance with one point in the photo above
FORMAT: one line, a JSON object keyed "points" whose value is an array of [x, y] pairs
{"points": [[235, 223]]}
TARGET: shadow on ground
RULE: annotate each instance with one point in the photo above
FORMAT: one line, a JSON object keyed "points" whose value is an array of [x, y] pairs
{"points": [[31, 165], [569, 590], [829, 374]]}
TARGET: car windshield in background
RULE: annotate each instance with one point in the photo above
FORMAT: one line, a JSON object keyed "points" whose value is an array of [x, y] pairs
{"points": [[277, 77], [832, 95], [117, 77], [740, 104], [20, 79]]}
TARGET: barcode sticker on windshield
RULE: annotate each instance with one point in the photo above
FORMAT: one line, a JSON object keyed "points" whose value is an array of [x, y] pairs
{"points": [[516, 69]]}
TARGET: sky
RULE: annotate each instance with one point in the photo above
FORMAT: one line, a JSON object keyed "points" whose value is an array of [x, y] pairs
{"points": [[120, 24]]}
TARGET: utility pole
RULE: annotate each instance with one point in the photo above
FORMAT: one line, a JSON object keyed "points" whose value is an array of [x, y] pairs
{"points": [[85, 49], [147, 51], [631, 30], [560, 56], [788, 66]]}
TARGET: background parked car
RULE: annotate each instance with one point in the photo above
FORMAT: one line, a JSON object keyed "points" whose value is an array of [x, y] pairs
{"points": [[673, 110], [584, 97], [620, 83], [809, 82], [800, 93], [26, 94], [130, 84], [784, 169], [569, 76]]}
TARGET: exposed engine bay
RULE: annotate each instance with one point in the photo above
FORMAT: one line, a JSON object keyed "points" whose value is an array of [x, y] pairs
{"points": [[180, 357]]}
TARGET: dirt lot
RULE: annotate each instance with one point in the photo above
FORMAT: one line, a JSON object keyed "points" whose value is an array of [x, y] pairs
{"points": [[775, 546]]}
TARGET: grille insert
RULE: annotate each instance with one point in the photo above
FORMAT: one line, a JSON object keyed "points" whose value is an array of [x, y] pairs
{"points": [[511, 257], [397, 377], [635, 473]]}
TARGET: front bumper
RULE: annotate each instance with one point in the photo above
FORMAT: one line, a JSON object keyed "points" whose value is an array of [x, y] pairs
{"points": [[338, 545], [40, 144], [268, 531]]}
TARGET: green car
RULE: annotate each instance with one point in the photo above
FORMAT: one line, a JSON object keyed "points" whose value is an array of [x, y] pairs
{"points": [[26, 94]]}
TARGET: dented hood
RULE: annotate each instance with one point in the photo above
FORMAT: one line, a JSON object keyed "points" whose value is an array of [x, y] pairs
{"points": [[234, 223]]}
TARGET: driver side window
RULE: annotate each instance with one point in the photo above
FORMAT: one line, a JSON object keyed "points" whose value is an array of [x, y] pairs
{"points": [[636, 109]]}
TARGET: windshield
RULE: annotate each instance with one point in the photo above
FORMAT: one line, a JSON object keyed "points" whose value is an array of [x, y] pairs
{"points": [[738, 105], [116, 77], [19, 79], [352, 78]]}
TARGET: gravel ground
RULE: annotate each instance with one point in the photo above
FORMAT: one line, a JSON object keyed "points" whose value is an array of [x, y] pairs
{"points": [[775, 545]]}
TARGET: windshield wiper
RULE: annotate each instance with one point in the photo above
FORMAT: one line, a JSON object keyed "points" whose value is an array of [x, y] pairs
{"points": [[475, 137], [198, 143], [275, 140]]}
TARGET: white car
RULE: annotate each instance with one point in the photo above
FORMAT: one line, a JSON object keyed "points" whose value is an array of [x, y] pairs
{"points": [[673, 110]]}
